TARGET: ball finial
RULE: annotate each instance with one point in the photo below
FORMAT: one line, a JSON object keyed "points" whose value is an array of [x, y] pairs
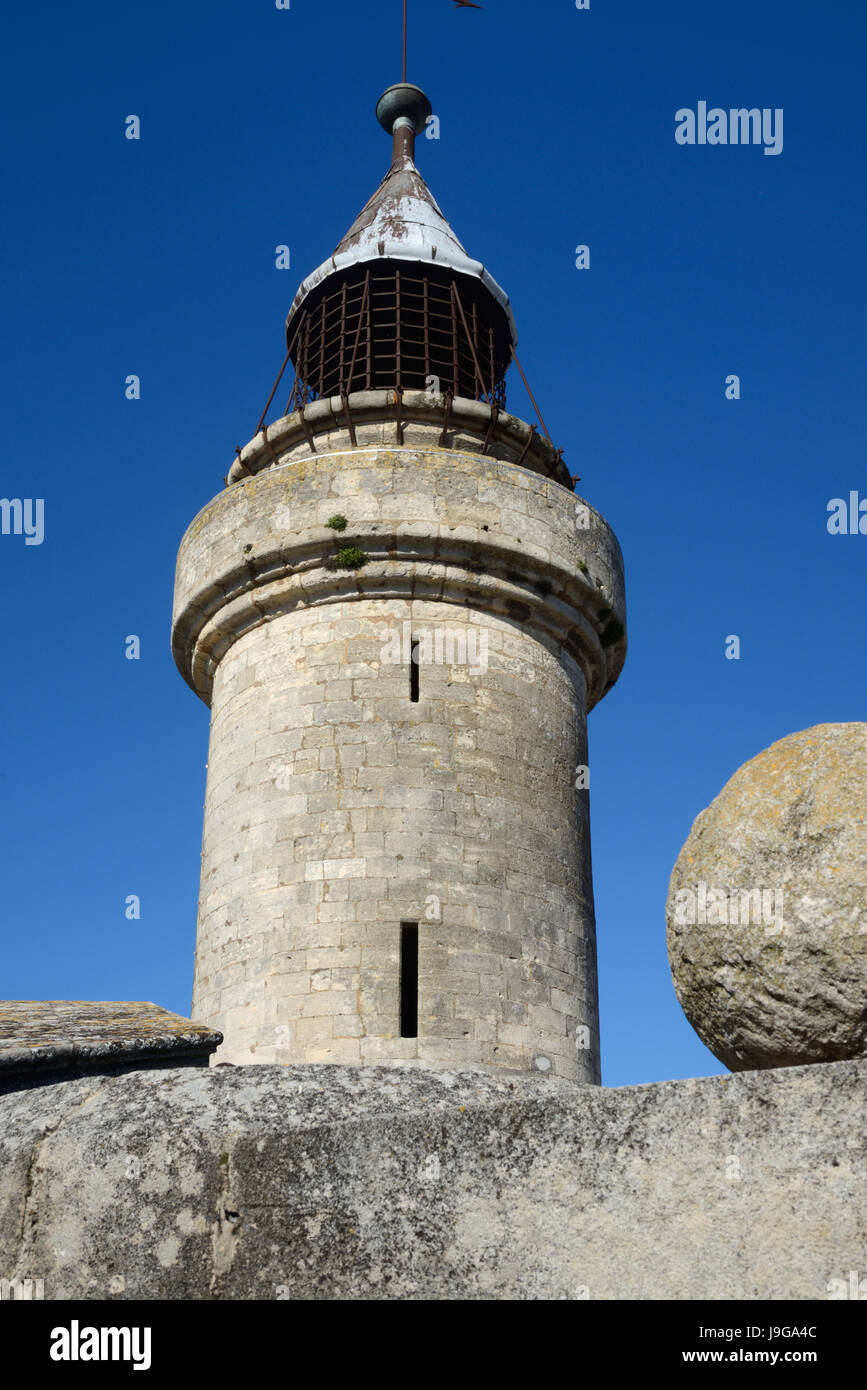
{"points": [[404, 104]]}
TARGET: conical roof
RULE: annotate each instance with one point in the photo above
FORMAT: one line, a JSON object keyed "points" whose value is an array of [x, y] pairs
{"points": [[402, 221]]}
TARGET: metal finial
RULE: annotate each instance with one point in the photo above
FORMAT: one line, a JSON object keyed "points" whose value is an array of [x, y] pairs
{"points": [[403, 111]]}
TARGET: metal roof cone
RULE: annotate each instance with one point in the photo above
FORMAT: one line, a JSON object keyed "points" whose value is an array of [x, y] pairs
{"points": [[402, 221]]}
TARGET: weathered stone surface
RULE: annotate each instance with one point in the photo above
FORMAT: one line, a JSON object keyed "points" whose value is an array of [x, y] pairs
{"points": [[435, 524], [767, 907], [41, 1039], [340, 806], [375, 416], [329, 1182]]}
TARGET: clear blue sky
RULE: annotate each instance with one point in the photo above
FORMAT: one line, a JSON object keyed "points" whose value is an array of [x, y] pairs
{"points": [[157, 258]]}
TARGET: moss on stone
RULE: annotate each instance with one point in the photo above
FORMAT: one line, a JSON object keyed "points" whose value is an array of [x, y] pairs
{"points": [[350, 558]]}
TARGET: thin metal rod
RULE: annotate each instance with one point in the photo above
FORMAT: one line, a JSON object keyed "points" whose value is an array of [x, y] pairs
{"points": [[398, 401], [404, 40], [426, 317], [350, 423], [290, 404], [342, 337], [479, 378], [532, 397], [308, 433], [397, 321], [272, 395], [358, 330], [369, 344], [495, 411], [268, 445], [322, 349], [277, 382], [449, 395], [530, 437], [300, 366], [456, 366]]}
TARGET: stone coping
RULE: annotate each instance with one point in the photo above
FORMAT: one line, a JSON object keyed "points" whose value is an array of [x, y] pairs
{"points": [[338, 1183], [421, 417], [52, 1035]]}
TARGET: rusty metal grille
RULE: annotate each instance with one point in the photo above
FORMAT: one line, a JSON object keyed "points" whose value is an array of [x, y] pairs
{"points": [[399, 325]]}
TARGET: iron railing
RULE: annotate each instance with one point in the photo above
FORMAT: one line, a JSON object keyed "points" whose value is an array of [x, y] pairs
{"points": [[405, 326]]}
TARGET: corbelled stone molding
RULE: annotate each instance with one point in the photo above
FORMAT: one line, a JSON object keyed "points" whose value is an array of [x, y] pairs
{"points": [[430, 523]]}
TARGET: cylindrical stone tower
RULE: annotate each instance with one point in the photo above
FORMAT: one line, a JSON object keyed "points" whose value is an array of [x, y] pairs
{"points": [[400, 616]]}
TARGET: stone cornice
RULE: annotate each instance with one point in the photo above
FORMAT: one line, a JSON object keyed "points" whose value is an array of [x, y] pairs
{"points": [[431, 524]]}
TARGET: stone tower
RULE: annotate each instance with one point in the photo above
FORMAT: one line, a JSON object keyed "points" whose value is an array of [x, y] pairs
{"points": [[400, 616]]}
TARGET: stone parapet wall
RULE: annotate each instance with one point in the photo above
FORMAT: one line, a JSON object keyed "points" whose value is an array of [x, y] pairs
{"points": [[384, 419], [348, 1183]]}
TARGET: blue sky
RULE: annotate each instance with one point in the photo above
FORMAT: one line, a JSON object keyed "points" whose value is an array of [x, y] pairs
{"points": [[156, 258]]}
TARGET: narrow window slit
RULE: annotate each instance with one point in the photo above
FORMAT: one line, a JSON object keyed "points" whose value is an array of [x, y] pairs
{"points": [[413, 672], [409, 979]]}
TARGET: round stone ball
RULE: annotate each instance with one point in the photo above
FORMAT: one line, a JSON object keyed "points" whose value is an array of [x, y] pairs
{"points": [[767, 907]]}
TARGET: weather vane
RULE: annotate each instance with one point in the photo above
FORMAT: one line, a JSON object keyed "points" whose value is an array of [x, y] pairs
{"points": [[459, 5]]}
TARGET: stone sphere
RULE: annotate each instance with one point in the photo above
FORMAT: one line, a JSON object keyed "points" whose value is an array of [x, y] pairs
{"points": [[767, 906]]}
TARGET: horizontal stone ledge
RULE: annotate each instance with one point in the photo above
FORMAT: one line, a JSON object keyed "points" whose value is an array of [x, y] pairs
{"points": [[406, 497], [478, 534], [41, 1040], [494, 561], [422, 416], [574, 618]]}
